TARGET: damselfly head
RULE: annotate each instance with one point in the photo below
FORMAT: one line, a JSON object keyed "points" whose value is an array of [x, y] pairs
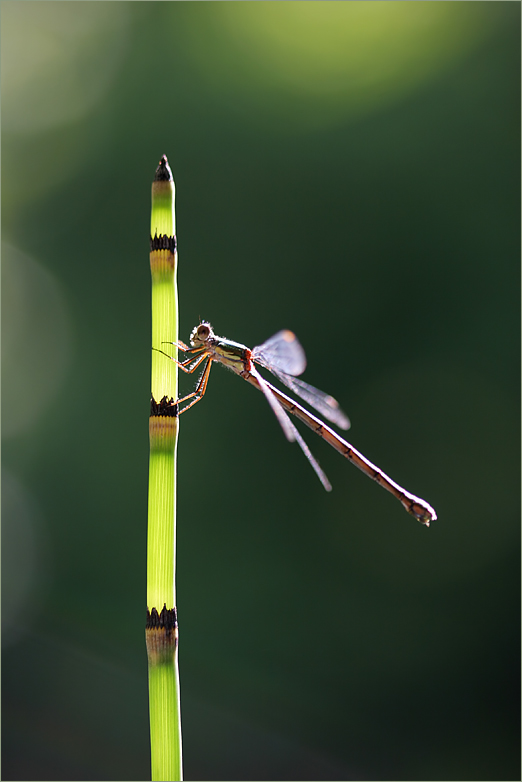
{"points": [[201, 334]]}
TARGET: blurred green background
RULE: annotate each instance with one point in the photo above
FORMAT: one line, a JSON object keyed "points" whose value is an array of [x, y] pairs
{"points": [[346, 170]]}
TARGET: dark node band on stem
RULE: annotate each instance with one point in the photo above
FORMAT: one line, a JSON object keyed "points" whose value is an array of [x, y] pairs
{"points": [[163, 172], [163, 242], [167, 618], [165, 407], [161, 635]]}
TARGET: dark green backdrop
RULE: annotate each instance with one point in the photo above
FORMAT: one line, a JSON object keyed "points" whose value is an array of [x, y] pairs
{"points": [[346, 170]]}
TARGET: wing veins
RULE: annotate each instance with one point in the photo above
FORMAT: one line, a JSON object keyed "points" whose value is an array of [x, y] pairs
{"points": [[289, 429]]}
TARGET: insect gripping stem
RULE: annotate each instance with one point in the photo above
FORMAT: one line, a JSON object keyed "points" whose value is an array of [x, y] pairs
{"points": [[284, 357]]}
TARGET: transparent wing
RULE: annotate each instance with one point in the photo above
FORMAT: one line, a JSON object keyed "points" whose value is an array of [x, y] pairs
{"points": [[282, 351], [286, 424], [289, 429], [325, 404]]}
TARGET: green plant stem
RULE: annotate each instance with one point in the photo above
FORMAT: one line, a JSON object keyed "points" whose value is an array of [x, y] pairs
{"points": [[162, 627]]}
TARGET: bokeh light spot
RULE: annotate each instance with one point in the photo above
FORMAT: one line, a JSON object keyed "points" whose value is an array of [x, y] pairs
{"points": [[310, 64], [36, 339]]}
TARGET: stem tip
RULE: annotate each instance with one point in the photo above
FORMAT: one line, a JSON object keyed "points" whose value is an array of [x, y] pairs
{"points": [[163, 172]]}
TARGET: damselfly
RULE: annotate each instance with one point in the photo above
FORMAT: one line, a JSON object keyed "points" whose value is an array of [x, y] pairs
{"points": [[283, 356]]}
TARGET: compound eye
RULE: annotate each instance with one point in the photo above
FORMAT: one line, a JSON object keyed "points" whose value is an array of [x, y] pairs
{"points": [[203, 331]]}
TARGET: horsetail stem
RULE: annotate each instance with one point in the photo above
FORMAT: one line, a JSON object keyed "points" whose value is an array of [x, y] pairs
{"points": [[162, 626]]}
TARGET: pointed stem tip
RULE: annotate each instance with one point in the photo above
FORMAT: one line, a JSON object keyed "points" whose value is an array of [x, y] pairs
{"points": [[163, 172]]}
